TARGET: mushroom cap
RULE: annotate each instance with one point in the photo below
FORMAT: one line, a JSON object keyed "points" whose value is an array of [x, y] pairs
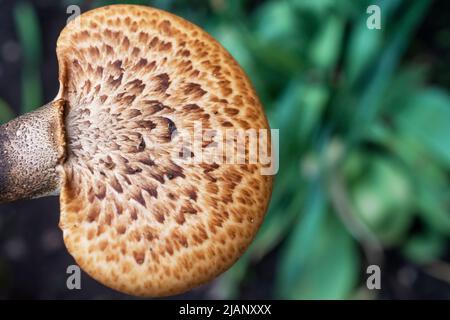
{"points": [[134, 217]]}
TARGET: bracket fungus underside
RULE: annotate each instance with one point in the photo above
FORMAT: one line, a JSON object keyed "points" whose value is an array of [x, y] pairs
{"points": [[134, 217]]}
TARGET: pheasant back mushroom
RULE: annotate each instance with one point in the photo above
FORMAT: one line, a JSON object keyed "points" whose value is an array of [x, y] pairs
{"points": [[133, 216]]}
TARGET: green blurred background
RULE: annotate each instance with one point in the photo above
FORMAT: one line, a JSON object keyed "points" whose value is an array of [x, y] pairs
{"points": [[364, 119]]}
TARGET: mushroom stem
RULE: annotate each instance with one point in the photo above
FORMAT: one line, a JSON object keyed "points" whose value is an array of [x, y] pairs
{"points": [[31, 149]]}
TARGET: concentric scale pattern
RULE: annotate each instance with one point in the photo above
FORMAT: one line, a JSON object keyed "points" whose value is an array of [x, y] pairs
{"points": [[135, 217]]}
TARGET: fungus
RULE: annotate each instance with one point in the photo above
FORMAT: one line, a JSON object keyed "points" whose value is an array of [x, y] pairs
{"points": [[133, 216]]}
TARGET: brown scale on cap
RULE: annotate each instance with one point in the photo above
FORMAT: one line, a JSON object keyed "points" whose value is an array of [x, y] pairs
{"points": [[135, 217]]}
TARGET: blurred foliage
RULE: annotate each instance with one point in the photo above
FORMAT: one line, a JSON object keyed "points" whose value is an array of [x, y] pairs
{"points": [[29, 34], [5, 112], [364, 141]]}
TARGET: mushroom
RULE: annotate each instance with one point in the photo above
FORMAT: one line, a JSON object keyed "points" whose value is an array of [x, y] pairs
{"points": [[133, 216]]}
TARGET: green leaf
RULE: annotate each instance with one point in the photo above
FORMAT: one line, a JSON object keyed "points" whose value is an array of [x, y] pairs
{"points": [[363, 47], [280, 37], [406, 81], [364, 44], [317, 6], [276, 19], [382, 198], [320, 259], [377, 77], [431, 195], [321, 8], [298, 111], [326, 47], [427, 119]]}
